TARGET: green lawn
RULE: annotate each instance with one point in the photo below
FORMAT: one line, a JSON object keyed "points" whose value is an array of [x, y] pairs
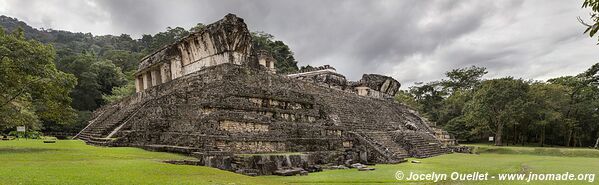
{"points": [[73, 162]]}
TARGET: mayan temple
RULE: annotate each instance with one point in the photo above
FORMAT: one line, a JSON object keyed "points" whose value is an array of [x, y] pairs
{"points": [[212, 96]]}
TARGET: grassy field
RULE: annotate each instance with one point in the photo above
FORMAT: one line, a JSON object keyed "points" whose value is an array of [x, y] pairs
{"points": [[494, 160], [73, 162]]}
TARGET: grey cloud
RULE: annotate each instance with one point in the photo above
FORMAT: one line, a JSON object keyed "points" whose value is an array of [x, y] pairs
{"points": [[412, 40]]}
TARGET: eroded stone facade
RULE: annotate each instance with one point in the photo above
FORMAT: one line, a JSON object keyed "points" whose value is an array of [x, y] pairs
{"points": [[208, 47]]}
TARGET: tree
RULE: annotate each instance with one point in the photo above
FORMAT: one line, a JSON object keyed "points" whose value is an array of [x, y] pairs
{"points": [[286, 63], [464, 78], [306, 68], [594, 16], [95, 77], [562, 111], [198, 27], [430, 98], [582, 106], [120, 92], [459, 86], [547, 107], [496, 104], [406, 98], [165, 38], [451, 115], [31, 88], [126, 60]]}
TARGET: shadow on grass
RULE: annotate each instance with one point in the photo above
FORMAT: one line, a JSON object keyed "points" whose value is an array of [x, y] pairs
{"points": [[26, 150], [559, 152]]}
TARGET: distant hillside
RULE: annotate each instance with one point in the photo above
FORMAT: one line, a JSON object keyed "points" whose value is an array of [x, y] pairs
{"points": [[74, 42], [10, 24]]}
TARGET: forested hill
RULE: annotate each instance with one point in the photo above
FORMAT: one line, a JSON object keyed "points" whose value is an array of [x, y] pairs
{"points": [[104, 65], [65, 41]]}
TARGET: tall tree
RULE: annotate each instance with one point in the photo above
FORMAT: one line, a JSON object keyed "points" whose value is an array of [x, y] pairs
{"points": [[32, 90], [435, 98], [459, 86], [546, 108], [464, 78], [451, 115], [580, 107], [430, 97], [496, 104]]}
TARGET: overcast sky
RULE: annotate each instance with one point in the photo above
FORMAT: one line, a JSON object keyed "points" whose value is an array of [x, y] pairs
{"points": [[411, 40]]}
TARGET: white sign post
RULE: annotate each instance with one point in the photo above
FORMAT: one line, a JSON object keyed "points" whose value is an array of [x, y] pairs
{"points": [[21, 129], [491, 139]]}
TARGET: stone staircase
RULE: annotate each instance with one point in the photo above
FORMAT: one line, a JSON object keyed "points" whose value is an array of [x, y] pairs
{"points": [[383, 145], [385, 141], [103, 127], [421, 145]]}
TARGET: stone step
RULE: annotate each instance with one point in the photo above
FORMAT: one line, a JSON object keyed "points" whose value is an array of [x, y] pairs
{"points": [[171, 148], [109, 120], [386, 143]]}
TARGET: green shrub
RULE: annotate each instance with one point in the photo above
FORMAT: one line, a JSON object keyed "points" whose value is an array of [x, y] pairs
{"points": [[28, 134]]}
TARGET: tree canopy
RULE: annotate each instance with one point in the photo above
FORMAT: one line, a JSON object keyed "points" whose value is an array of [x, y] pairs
{"points": [[32, 89], [561, 111]]}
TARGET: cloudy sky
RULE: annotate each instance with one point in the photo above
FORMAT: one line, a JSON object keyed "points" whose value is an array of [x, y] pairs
{"points": [[411, 40]]}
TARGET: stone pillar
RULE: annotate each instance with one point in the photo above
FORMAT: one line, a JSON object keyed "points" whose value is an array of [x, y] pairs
{"points": [[272, 65], [156, 76], [193, 51], [139, 83], [176, 70], [185, 58], [165, 71], [147, 80]]}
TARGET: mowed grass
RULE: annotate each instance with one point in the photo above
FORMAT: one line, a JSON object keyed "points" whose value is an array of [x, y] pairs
{"points": [[73, 162], [491, 159]]}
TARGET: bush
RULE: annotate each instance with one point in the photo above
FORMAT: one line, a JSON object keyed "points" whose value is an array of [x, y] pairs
{"points": [[28, 134]]}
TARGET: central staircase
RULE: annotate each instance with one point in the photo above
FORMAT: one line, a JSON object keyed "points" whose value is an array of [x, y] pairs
{"points": [[396, 146], [385, 142], [106, 123], [421, 144]]}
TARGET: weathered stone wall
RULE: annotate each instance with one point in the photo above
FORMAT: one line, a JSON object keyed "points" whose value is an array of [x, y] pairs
{"points": [[240, 109], [225, 41]]}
